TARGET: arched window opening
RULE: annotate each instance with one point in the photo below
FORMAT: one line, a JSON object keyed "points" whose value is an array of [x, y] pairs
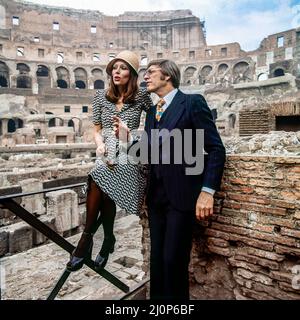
{"points": [[19, 123], [80, 84], [63, 78], [42, 71], [4, 75], [241, 72], [222, 68], [71, 123], [51, 123], [23, 68], [62, 84], [99, 84], [278, 73], [80, 78], [11, 126], [97, 73], [232, 119], [3, 82], [24, 82]]}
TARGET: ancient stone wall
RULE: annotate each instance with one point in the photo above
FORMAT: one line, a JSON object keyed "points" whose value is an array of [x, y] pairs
{"points": [[62, 210], [250, 247], [54, 58]]}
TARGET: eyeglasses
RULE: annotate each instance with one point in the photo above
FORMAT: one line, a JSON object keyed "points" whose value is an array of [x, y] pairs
{"points": [[150, 71]]}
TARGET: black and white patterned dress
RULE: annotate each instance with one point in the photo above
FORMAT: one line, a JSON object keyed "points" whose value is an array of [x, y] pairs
{"points": [[125, 182]]}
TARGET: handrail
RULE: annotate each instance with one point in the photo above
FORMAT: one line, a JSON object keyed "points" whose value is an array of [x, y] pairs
{"points": [[134, 289], [18, 195], [8, 202]]}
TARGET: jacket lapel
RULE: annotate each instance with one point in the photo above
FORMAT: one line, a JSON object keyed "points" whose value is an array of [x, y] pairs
{"points": [[150, 123], [173, 113]]}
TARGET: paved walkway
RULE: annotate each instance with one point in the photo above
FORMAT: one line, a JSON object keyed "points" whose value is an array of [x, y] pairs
{"points": [[32, 274]]}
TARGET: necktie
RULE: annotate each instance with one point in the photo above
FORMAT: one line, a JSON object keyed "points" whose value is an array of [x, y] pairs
{"points": [[159, 109]]}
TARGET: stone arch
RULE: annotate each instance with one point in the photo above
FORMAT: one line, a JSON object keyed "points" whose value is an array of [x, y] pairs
{"points": [[3, 82], [79, 84], [204, 74], [77, 124], [63, 77], [4, 75], [23, 68], [43, 76], [19, 123], [97, 75], [279, 72], [80, 78], [222, 68], [232, 120], [62, 84], [42, 71], [241, 72], [23, 79], [99, 84], [188, 74], [262, 76], [55, 122], [14, 124], [70, 123], [11, 126], [51, 123], [24, 82]]}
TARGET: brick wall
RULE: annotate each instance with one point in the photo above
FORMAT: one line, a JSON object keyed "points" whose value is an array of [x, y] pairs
{"points": [[254, 121], [251, 245]]}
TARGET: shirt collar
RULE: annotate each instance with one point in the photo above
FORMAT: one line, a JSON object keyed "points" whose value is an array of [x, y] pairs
{"points": [[169, 97]]}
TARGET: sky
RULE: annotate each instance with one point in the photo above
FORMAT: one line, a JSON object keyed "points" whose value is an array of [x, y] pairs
{"points": [[245, 21]]}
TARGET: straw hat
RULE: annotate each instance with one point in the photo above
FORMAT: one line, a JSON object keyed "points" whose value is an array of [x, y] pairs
{"points": [[127, 56]]}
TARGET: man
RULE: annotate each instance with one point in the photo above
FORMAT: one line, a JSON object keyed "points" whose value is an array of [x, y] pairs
{"points": [[175, 198]]}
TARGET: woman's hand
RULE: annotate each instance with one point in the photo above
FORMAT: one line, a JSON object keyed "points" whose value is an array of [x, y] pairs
{"points": [[101, 150], [121, 130]]}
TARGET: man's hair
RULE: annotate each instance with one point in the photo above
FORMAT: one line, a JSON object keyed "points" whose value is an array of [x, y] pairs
{"points": [[168, 68]]}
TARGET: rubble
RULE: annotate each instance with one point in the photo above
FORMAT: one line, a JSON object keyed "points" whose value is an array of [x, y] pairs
{"points": [[278, 143]]}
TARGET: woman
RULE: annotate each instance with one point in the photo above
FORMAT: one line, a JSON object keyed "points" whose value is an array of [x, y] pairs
{"points": [[113, 182]]}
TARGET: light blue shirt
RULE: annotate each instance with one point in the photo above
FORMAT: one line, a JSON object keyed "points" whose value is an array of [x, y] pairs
{"points": [[168, 99]]}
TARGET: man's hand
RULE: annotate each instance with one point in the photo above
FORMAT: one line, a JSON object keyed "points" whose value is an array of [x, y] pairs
{"points": [[204, 205], [120, 129]]}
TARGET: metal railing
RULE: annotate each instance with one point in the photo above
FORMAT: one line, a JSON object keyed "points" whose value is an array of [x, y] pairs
{"points": [[8, 202]]}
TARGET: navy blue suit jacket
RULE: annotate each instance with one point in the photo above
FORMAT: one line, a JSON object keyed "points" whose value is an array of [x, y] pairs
{"points": [[188, 112]]}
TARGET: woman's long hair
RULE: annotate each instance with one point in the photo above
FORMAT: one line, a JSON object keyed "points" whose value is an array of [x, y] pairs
{"points": [[113, 94]]}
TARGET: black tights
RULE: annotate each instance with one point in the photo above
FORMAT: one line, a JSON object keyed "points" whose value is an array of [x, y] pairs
{"points": [[97, 201]]}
